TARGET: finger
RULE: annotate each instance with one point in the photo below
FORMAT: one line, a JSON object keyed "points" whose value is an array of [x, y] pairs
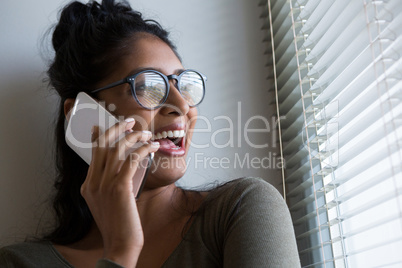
{"points": [[130, 165], [119, 152], [115, 131], [95, 133], [104, 141]]}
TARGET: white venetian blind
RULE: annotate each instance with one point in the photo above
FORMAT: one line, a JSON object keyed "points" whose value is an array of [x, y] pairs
{"points": [[337, 71]]}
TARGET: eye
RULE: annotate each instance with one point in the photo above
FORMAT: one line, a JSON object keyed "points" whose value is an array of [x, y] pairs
{"points": [[140, 88]]}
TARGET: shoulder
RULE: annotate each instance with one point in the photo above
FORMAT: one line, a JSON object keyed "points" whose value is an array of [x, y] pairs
{"points": [[254, 220], [249, 184], [253, 184], [248, 189], [242, 223], [249, 197], [29, 254]]}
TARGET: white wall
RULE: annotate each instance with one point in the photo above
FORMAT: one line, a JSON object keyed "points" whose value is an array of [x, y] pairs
{"points": [[222, 39]]}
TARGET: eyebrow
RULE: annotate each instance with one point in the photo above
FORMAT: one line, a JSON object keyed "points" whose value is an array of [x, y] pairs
{"points": [[137, 70]]}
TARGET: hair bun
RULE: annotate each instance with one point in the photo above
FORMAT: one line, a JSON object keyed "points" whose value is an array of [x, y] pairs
{"points": [[110, 7], [90, 39], [84, 17], [70, 16]]}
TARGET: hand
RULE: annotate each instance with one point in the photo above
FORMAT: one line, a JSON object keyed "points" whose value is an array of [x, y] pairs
{"points": [[108, 190]]}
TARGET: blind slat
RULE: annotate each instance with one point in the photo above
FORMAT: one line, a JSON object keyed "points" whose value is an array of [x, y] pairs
{"points": [[339, 93]]}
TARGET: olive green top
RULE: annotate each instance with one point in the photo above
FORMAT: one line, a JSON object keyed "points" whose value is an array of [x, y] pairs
{"points": [[244, 223]]}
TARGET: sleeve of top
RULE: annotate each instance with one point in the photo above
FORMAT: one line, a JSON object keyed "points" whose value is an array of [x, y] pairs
{"points": [[23, 256], [9, 260], [259, 230], [3, 259]]}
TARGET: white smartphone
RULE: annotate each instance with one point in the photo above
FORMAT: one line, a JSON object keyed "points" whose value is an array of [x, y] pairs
{"points": [[85, 114]]}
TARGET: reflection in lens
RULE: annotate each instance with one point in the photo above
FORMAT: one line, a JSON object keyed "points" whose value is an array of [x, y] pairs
{"points": [[192, 87], [150, 89]]}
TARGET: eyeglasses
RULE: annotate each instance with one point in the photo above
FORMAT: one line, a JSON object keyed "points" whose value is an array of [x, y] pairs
{"points": [[150, 88]]}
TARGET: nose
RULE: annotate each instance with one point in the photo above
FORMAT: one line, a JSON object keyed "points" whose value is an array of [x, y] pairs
{"points": [[175, 103]]}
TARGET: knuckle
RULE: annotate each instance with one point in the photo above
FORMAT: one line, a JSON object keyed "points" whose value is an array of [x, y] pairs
{"points": [[83, 190], [95, 144], [88, 189], [127, 142], [132, 137]]}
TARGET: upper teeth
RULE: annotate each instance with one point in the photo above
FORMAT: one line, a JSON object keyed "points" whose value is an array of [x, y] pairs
{"points": [[168, 134]]}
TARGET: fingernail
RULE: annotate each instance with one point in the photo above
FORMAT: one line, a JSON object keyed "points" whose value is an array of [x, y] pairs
{"points": [[149, 133], [129, 125], [155, 144], [129, 119]]}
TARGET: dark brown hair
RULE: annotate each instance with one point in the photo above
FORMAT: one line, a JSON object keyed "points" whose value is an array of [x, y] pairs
{"points": [[89, 40]]}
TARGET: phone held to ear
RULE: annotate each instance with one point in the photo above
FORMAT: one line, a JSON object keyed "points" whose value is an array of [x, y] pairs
{"points": [[86, 113]]}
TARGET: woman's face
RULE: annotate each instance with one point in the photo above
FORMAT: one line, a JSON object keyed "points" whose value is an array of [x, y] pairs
{"points": [[150, 52]]}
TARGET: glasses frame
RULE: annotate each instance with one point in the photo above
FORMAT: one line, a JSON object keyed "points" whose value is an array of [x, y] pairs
{"points": [[130, 80]]}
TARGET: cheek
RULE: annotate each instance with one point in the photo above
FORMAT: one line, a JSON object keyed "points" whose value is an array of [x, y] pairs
{"points": [[124, 108], [192, 121], [143, 121]]}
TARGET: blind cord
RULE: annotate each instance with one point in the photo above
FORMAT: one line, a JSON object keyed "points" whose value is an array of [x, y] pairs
{"points": [[307, 139], [277, 99]]}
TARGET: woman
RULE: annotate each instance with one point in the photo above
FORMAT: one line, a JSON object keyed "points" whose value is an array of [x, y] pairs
{"points": [[244, 223]]}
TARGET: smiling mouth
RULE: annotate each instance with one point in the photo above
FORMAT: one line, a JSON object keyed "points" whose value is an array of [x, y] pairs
{"points": [[170, 140]]}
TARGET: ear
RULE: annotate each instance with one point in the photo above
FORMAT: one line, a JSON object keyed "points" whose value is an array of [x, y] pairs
{"points": [[68, 105]]}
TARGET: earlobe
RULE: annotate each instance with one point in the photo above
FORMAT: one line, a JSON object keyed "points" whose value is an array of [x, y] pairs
{"points": [[68, 105]]}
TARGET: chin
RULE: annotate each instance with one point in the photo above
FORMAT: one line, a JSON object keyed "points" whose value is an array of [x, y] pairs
{"points": [[165, 170]]}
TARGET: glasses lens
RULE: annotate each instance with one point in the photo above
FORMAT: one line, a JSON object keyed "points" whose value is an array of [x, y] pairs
{"points": [[150, 89], [192, 87]]}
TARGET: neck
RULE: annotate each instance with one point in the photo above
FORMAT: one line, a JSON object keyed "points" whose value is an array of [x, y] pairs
{"points": [[159, 206]]}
